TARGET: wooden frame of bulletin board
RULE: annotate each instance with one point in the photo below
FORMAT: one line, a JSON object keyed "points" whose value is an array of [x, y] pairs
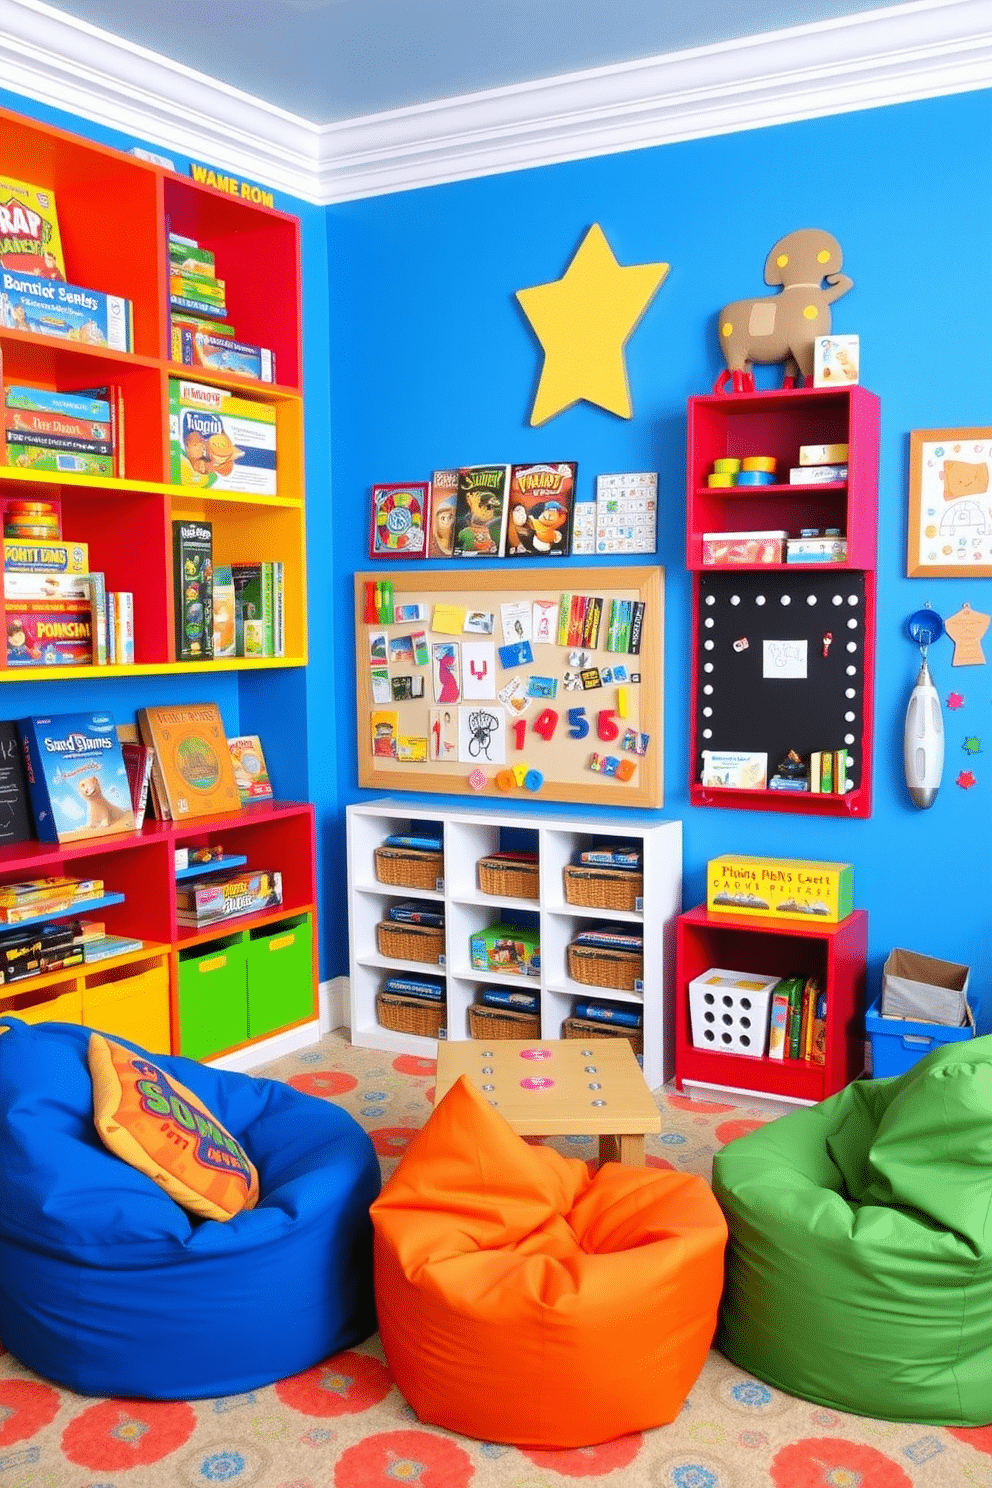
{"points": [[598, 706]]}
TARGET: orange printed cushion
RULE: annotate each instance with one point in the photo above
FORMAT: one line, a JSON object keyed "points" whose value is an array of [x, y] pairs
{"points": [[158, 1126]]}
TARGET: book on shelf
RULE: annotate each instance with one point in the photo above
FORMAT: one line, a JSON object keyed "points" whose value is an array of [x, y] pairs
{"points": [[15, 811], [224, 631], [110, 945], [250, 770], [193, 774], [225, 896], [259, 622], [77, 780], [193, 581], [793, 1048], [818, 1037], [30, 241], [120, 628], [138, 760], [778, 1019], [420, 987], [523, 1002]]}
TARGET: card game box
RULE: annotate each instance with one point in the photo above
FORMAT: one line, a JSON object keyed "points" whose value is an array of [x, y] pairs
{"points": [[30, 242], [49, 632], [43, 556]]}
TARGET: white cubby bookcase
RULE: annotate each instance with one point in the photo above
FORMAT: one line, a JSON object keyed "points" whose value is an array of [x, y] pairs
{"points": [[557, 837]]}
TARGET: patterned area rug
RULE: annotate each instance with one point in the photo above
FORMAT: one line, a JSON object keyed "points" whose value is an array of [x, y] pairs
{"points": [[344, 1425]]}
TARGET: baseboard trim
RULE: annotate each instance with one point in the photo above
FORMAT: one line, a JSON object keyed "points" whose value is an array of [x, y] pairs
{"points": [[266, 1050]]}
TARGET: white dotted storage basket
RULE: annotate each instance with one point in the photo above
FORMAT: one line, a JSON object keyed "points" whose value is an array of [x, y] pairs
{"points": [[729, 1011]]}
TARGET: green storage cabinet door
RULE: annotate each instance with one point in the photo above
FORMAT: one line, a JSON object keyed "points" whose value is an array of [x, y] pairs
{"points": [[280, 975], [213, 997]]}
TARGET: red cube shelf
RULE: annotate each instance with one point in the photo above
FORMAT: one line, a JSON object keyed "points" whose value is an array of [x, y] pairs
{"points": [[836, 953]]}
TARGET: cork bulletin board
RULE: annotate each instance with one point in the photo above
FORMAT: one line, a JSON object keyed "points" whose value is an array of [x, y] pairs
{"points": [[511, 682]]}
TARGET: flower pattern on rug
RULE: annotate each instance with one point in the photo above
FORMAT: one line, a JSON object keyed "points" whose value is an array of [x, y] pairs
{"points": [[347, 1383]]}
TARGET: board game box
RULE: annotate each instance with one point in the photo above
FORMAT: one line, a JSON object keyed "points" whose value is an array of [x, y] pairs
{"points": [[42, 556], [49, 307], [30, 242], [539, 520], [49, 632], [200, 348], [249, 768], [226, 896], [192, 761], [193, 578], [77, 782], [220, 441], [480, 511]]}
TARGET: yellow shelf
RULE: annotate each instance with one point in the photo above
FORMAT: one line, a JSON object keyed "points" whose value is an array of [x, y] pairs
{"points": [[150, 669], [112, 483]]}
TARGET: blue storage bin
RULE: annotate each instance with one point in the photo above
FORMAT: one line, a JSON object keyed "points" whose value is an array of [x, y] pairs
{"points": [[897, 1043]]}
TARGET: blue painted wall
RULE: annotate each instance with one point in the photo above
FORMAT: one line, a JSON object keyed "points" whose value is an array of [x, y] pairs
{"points": [[432, 364], [415, 341]]}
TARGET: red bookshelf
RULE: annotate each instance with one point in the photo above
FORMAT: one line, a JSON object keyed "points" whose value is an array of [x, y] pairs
{"points": [[820, 598], [750, 943]]}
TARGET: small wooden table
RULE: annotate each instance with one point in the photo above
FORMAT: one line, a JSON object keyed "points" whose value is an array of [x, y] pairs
{"points": [[559, 1087]]}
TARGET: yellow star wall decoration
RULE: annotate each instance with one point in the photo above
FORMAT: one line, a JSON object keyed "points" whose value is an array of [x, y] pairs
{"points": [[583, 321]]}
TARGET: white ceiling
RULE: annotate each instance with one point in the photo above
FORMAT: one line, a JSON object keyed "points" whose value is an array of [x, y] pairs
{"points": [[330, 60]]}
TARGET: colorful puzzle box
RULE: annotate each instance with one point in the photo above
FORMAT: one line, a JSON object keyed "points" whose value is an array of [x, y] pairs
{"points": [[221, 442]]}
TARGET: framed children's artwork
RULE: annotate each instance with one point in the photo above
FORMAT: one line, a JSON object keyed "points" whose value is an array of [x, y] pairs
{"points": [[950, 503], [513, 681], [399, 520]]}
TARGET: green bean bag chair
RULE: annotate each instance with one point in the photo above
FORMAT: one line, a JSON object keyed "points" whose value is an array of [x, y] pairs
{"points": [[859, 1269]]}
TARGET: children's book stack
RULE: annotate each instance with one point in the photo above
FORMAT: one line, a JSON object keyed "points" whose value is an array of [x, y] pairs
{"points": [[798, 1020], [259, 608], [202, 335]]}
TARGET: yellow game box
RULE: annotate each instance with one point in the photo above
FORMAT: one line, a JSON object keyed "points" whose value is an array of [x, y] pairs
{"points": [[780, 888]]}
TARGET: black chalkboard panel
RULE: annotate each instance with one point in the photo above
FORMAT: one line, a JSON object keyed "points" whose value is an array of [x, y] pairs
{"points": [[767, 679]]}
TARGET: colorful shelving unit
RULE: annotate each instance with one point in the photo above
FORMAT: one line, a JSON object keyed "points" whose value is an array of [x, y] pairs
{"points": [[115, 212], [829, 608]]}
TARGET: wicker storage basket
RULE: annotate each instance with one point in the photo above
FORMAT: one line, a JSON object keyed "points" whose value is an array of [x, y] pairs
{"points": [[409, 868], [502, 1023], [410, 1014], [510, 880], [411, 942], [604, 888], [585, 1028], [602, 968]]}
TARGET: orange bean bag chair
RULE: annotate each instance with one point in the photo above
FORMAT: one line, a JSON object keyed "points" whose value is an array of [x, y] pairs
{"points": [[521, 1300]]}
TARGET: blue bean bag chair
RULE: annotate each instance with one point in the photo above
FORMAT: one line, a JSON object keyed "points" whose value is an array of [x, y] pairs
{"points": [[109, 1287]]}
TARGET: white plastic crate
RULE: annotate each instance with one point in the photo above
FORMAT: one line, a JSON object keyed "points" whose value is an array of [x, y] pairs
{"points": [[729, 1011]]}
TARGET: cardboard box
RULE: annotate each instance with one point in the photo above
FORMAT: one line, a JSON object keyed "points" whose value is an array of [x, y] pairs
{"points": [[915, 986], [780, 888], [510, 948], [729, 1011]]}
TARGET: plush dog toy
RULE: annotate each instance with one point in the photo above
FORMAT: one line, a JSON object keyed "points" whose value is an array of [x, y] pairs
{"points": [[784, 328]]}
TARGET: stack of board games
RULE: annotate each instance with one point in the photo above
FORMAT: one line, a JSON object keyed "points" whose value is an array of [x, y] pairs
{"points": [[35, 898], [62, 432], [202, 335], [34, 950], [77, 780], [226, 896], [219, 441]]}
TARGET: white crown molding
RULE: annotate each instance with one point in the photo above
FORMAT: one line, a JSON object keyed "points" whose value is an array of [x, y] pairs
{"points": [[922, 49], [57, 60]]}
